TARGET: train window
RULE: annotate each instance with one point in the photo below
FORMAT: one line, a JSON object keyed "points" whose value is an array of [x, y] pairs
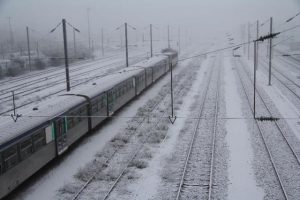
{"points": [[60, 127], [103, 101], [25, 148], [70, 121], [10, 156], [1, 165], [39, 139], [123, 90], [82, 111], [95, 106]]}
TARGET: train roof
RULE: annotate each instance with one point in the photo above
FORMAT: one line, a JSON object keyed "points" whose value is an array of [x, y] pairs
{"points": [[59, 104], [151, 61]]}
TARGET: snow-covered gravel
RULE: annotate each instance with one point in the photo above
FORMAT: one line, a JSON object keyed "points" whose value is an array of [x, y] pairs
{"points": [[134, 154], [241, 173], [284, 160], [147, 153]]}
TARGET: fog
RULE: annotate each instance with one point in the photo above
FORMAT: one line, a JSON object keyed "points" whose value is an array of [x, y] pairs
{"points": [[200, 19]]}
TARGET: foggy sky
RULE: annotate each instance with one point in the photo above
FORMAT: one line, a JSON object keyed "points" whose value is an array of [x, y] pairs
{"points": [[201, 18]]}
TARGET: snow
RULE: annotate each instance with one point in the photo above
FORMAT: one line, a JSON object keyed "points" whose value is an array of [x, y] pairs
{"points": [[64, 172], [287, 109], [241, 174], [60, 104], [150, 181]]}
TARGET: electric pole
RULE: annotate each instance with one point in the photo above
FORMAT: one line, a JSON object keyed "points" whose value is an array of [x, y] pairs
{"points": [[28, 48], [89, 30], [169, 46], [102, 42], [74, 43], [257, 36], [151, 47], [66, 53], [254, 82], [270, 51], [126, 44]]}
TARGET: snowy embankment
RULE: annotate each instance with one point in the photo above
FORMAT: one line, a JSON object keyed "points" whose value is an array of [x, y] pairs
{"points": [[241, 174]]}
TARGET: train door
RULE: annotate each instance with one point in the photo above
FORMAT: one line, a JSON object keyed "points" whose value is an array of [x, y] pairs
{"points": [[61, 135]]}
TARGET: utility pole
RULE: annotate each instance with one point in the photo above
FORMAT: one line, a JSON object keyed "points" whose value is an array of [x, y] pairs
{"points": [[74, 43], [28, 48], [151, 47], [270, 51], [66, 53], [254, 82], [89, 30], [169, 46], [257, 36], [248, 40], [102, 42], [37, 49], [126, 44]]}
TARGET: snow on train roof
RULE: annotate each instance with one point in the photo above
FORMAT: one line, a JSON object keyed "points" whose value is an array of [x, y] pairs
{"points": [[105, 83], [59, 104], [151, 61]]}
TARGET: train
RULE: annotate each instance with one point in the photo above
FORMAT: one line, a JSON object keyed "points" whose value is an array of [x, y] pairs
{"points": [[47, 129]]}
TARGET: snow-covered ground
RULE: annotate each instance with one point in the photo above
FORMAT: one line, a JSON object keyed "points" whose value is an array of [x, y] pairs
{"points": [[139, 154]]}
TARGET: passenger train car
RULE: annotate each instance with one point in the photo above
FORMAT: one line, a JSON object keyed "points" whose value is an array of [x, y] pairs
{"points": [[46, 131]]}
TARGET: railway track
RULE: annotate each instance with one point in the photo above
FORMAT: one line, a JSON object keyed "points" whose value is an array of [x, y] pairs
{"points": [[287, 82], [197, 179], [180, 86], [52, 77], [47, 73], [291, 60], [79, 64], [280, 150], [54, 84], [28, 91]]}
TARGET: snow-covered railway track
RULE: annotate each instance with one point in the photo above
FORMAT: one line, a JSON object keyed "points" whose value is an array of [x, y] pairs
{"points": [[287, 82], [51, 79], [275, 136], [197, 179], [57, 82], [291, 61], [160, 108], [47, 74]]}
